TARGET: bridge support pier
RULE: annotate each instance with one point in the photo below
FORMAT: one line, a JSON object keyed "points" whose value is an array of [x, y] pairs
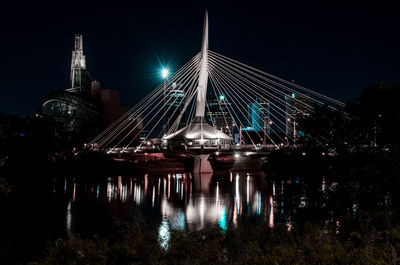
{"points": [[202, 182], [201, 164]]}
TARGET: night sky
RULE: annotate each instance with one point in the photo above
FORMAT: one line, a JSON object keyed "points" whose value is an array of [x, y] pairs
{"points": [[335, 48]]}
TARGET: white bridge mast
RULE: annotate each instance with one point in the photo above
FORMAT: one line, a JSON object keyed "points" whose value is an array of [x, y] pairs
{"points": [[203, 75]]}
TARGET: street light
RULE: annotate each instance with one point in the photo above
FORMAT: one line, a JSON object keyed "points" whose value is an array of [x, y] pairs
{"points": [[164, 73]]}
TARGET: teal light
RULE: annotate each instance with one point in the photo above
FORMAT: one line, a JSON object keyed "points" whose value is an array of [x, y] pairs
{"points": [[164, 234], [164, 73], [293, 95], [221, 97], [222, 221]]}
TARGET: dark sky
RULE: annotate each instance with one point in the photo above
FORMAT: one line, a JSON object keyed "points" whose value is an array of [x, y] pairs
{"points": [[335, 48]]}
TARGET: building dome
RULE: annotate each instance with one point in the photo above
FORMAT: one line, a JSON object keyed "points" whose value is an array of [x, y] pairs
{"points": [[75, 111]]}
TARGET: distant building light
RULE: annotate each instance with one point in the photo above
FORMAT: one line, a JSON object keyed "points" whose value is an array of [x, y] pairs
{"points": [[293, 95], [221, 97], [248, 129]]}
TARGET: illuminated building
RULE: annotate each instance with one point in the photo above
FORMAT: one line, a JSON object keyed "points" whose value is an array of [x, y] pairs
{"points": [[259, 115], [218, 114], [75, 112], [80, 80], [175, 101], [297, 107], [85, 106]]}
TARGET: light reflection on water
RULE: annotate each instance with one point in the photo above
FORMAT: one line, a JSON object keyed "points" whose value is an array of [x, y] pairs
{"points": [[198, 200], [192, 201], [164, 234], [68, 217]]}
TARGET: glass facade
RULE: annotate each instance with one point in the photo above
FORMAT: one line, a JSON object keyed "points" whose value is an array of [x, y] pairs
{"points": [[74, 110], [218, 114]]}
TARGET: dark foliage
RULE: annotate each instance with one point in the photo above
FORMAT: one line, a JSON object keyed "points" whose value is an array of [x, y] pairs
{"points": [[372, 120], [375, 241]]}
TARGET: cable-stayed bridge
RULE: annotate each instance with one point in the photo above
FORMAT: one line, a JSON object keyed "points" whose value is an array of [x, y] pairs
{"points": [[252, 109]]}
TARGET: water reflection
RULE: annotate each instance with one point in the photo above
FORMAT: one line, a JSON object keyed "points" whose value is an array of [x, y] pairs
{"points": [[164, 234], [69, 217], [183, 201], [193, 201], [74, 192], [271, 211]]}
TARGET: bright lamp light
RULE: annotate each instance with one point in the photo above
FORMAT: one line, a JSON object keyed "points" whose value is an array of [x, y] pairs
{"points": [[164, 73]]}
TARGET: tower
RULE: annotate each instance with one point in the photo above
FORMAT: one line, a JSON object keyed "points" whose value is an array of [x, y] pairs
{"points": [[80, 79], [203, 75]]}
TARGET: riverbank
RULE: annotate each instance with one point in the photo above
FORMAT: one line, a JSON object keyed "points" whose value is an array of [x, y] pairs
{"points": [[376, 241]]}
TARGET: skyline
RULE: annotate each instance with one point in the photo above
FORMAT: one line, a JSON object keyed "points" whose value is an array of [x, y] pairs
{"points": [[126, 50]]}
